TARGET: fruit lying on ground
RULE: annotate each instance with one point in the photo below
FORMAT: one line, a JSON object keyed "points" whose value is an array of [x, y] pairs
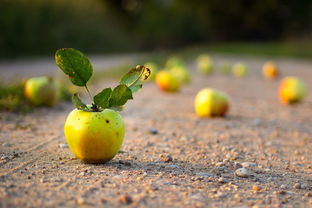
{"points": [[153, 68], [269, 70], [174, 61], [42, 91], [181, 73], [292, 90], [209, 103], [225, 68], [239, 69], [204, 64], [167, 82], [95, 132]]}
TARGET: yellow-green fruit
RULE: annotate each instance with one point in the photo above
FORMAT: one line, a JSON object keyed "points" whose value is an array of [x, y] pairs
{"points": [[174, 61], [42, 91], [292, 90], [204, 64], [181, 73], [94, 137], [225, 68], [153, 67], [269, 70], [210, 103], [167, 82], [239, 69]]}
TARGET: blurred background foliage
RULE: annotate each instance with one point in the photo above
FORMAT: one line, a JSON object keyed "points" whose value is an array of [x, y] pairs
{"points": [[39, 27]]}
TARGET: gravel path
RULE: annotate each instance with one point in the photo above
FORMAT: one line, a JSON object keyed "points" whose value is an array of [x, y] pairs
{"points": [[171, 158]]}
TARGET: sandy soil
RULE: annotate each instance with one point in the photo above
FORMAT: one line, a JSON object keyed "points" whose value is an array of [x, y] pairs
{"points": [[188, 162]]}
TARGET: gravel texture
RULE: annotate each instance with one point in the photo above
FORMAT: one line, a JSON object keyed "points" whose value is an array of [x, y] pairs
{"points": [[170, 157]]}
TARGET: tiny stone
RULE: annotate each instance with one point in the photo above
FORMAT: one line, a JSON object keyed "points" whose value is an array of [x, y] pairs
{"points": [[283, 186], [6, 145], [297, 186], [64, 145], [82, 174], [153, 131], [242, 172], [257, 122], [309, 194], [4, 157], [81, 201], [249, 164], [165, 158], [222, 180], [125, 199], [256, 188], [237, 165]]}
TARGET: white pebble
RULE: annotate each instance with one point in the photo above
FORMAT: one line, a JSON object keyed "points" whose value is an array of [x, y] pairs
{"points": [[249, 164], [63, 145], [242, 172]]}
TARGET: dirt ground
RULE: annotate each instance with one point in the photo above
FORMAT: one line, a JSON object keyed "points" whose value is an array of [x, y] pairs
{"points": [[187, 162]]}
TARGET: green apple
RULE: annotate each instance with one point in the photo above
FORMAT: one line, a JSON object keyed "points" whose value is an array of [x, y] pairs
{"points": [[167, 82], [42, 91], [181, 73], [292, 90], [94, 137], [204, 64], [209, 103], [153, 67], [95, 132], [239, 69], [174, 61], [225, 68]]}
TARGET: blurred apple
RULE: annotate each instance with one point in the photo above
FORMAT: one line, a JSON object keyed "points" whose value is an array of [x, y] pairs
{"points": [[204, 64], [42, 91], [210, 103], [174, 61], [239, 69], [269, 70], [292, 90], [181, 73], [167, 82], [94, 137], [225, 68], [153, 67]]}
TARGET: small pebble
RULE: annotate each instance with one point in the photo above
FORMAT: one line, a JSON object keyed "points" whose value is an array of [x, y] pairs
{"points": [[237, 165], [165, 158], [283, 186], [152, 131], [81, 201], [256, 188], [249, 164], [242, 172], [297, 186], [125, 199], [4, 157], [6, 145], [257, 122], [222, 180], [63, 145]]}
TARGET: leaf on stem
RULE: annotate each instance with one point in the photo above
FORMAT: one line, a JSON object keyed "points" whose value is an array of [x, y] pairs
{"points": [[74, 64], [78, 103], [120, 95], [135, 77], [102, 99]]}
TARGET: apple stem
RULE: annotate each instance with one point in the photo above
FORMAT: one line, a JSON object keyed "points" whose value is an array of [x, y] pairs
{"points": [[89, 93]]}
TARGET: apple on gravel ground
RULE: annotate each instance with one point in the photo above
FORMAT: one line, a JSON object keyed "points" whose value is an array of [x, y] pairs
{"points": [[95, 132], [269, 70], [181, 73], [42, 91], [239, 69], [204, 64], [174, 61], [153, 68], [210, 102], [167, 82], [292, 90]]}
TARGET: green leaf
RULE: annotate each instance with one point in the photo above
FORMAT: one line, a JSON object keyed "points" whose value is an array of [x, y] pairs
{"points": [[102, 98], [78, 103], [135, 77], [120, 95], [75, 64]]}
